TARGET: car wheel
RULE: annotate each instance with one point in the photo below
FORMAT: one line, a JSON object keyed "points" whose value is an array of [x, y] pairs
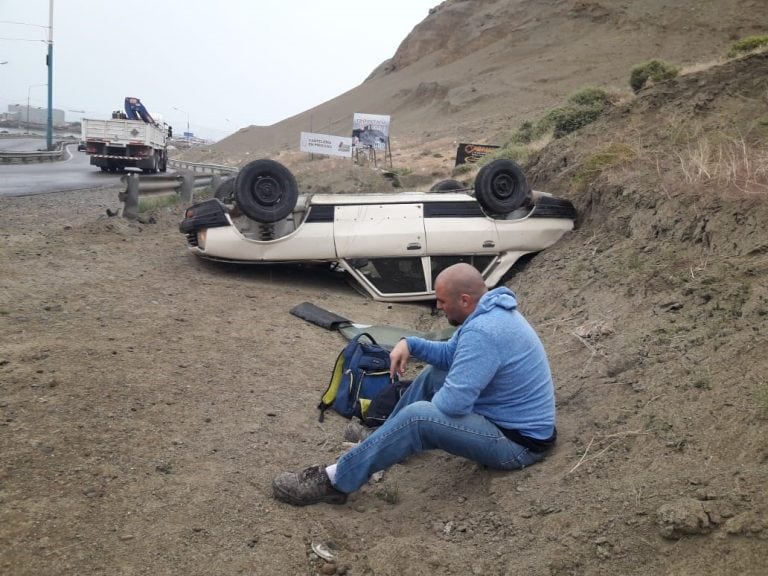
{"points": [[266, 191], [226, 191], [447, 185], [501, 187]]}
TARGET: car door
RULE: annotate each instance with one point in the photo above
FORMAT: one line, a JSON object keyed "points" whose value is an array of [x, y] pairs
{"points": [[379, 230], [460, 227], [459, 231], [382, 246]]}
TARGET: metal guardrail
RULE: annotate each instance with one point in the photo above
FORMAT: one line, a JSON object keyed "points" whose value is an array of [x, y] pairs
{"points": [[30, 157], [205, 168], [182, 183]]}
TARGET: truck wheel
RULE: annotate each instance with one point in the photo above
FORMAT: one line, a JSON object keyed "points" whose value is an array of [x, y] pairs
{"points": [[501, 187], [163, 161], [447, 185], [152, 168], [266, 191]]}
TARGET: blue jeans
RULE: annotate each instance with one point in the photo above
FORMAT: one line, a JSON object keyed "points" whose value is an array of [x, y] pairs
{"points": [[415, 425]]}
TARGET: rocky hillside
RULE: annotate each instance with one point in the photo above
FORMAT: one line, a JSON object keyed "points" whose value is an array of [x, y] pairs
{"points": [[472, 70]]}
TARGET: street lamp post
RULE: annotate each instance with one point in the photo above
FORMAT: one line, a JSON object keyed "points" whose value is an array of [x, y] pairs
{"points": [[49, 62], [183, 112]]}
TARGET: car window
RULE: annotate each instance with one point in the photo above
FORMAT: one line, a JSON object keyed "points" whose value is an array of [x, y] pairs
{"points": [[440, 263], [394, 275]]}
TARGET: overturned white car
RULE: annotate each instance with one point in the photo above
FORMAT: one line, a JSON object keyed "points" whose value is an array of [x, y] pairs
{"points": [[393, 244]]}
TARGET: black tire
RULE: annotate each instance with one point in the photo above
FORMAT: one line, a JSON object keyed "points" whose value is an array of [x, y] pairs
{"points": [[163, 161], [152, 168], [501, 187], [447, 185], [266, 191], [226, 191]]}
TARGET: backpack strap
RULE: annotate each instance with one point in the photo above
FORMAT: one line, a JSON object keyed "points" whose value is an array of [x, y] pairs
{"points": [[333, 386]]}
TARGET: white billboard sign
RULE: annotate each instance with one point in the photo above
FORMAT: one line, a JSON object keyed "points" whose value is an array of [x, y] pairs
{"points": [[370, 131], [326, 144]]}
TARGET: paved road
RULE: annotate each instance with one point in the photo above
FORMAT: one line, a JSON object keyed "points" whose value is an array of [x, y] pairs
{"points": [[74, 173]]}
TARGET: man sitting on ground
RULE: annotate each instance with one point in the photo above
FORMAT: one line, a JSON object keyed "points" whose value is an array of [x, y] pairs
{"points": [[487, 395]]}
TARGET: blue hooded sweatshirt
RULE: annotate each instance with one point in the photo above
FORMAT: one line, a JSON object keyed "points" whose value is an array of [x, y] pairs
{"points": [[497, 367]]}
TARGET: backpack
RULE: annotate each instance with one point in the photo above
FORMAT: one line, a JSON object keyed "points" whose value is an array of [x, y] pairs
{"points": [[360, 374]]}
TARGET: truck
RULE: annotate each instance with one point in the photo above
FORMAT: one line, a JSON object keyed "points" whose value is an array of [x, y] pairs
{"points": [[129, 139]]}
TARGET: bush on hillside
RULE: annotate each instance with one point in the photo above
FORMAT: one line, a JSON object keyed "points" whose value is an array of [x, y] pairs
{"points": [[570, 118], [590, 96], [509, 151], [655, 70], [581, 108], [748, 44], [462, 169]]}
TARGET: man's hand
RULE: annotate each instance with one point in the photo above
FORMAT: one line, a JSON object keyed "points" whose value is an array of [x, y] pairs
{"points": [[398, 358]]}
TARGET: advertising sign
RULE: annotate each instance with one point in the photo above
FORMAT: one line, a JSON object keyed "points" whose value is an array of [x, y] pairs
{"points": [[326, 144], [471, 153], [370, 131]]}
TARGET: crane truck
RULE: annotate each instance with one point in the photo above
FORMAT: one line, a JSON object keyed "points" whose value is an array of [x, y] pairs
{"points": [[129, 139]]}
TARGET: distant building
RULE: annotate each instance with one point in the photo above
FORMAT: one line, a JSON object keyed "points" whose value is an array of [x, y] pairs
{"points": [[34, 116]]}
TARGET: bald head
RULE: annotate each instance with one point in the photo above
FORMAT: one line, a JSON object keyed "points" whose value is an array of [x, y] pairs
{"points": [[457, 290], [462, 279]]}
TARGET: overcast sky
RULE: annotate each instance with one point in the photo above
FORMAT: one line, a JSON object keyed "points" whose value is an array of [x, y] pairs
{"points": [[217, 65]]}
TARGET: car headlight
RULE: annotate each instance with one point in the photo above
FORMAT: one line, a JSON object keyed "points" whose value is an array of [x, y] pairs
{"points": [[201, 237]]}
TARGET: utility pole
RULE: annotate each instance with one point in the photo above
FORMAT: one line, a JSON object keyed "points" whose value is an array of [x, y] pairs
{"points": [[49, 62]]}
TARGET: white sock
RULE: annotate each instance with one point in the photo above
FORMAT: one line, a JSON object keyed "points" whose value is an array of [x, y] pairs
{"points": [[331, 471]]}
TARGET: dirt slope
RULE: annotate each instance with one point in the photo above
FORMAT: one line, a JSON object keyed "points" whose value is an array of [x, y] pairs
{"points": [[472, 70], [147, 398]]}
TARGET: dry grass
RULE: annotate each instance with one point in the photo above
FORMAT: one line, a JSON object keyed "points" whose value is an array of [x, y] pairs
{"points": [[697, 67], [733, 164]]}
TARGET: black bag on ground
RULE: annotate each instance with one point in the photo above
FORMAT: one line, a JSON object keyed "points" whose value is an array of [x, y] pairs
{"points": [[382, 405]]}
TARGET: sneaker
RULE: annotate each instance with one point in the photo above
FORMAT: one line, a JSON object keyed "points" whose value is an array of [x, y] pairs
{"points": [[309, 486], [355, 432]]}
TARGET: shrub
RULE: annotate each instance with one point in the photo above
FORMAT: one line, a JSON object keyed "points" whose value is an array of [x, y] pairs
{"points": [[525, 134], [509, 151], [581, 108], [655, 70], [591, 97], [570, 118], [748, 44], [462, 169]]}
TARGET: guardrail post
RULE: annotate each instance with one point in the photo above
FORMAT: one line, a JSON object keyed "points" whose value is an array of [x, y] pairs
{"points": [[215, 182], [187, 185], [130, 197]]}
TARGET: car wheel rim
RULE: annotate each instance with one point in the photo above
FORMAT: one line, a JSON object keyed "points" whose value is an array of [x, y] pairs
{"points": [[504, 186], [267, 191]]}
